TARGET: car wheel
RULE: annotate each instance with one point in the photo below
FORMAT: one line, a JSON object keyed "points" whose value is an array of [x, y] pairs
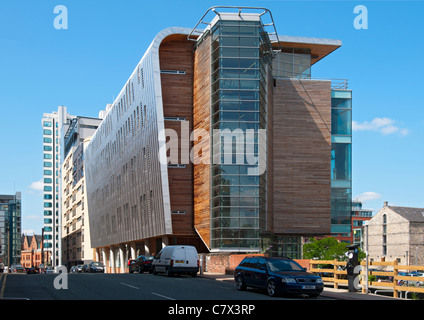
{"points": [[271, 288], [140, 270], [168, 272], [154, 271], [240, 283]]}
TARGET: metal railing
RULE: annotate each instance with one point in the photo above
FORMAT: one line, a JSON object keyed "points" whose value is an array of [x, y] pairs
{"points": [[336, 84], [240, 9]]}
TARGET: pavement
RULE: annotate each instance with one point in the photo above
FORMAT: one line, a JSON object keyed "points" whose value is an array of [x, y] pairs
{"points": [[339, 294]]}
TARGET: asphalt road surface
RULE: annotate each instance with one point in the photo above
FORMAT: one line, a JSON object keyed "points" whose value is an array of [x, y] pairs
{"points": [[88, 286]]}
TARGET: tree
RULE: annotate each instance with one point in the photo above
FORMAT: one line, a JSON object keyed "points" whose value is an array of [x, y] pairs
{"points": [[327, 249]]}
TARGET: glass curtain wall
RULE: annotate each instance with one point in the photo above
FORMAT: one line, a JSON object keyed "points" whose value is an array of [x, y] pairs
{"points": [[341, 161], [10, 229], [241, 52], [292, 63]]}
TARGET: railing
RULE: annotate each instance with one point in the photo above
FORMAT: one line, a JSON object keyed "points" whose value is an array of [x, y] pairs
{"points": [[393, 278], [238, 9], [325, 272], [336, 84]]}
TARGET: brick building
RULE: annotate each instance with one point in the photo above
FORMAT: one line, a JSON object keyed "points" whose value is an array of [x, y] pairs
{"points": [[396, 233], [32, 251]]}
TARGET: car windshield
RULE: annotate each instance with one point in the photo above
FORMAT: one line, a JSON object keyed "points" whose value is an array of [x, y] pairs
{"points": [[283, 265]]}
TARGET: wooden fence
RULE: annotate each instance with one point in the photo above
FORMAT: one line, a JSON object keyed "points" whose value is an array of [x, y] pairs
{"points": [[390, 278]]}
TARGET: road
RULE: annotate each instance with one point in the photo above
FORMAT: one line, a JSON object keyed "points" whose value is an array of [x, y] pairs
{"points": [[159, 297], [88, 286]]}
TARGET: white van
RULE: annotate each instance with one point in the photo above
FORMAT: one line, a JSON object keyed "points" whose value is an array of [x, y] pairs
{"points": [[176, 260]]}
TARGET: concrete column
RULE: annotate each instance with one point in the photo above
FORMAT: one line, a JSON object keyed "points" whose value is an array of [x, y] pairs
{"points": [[147, 247], [122, 258], [133, 251], [165, 242], [104, 259], [112, 260]]}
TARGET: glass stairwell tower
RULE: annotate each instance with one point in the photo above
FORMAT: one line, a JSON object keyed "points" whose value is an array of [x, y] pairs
{"points": [[241, 57]]}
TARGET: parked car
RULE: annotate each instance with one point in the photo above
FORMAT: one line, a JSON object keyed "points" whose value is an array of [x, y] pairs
{"points": [[96, 266], [32, 270], [49, 269], [177, 260], [416, 283], [403, 282], [277, 276], [141, 264], [85, 268], [17, 268], [78, 268]]}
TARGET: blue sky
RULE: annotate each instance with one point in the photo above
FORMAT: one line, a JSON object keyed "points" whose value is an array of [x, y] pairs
{"points": [[85, 66]]}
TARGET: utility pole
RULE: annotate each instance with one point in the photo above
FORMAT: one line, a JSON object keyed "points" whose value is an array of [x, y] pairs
{"points": [[366, 257]]}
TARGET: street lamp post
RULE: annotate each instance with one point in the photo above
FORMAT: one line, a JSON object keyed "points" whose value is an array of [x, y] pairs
{"points": [[366, 257]]}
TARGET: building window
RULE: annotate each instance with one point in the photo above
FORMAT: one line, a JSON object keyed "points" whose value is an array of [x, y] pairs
{"points": [[178, 212], [384, 240], [179, 166], [172, 72]]}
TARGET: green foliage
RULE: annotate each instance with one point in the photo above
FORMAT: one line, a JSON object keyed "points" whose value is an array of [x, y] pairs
{"points": [[327, 249]]}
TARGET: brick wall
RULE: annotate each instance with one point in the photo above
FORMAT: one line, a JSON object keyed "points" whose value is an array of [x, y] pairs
{"points": [[224, 263]]}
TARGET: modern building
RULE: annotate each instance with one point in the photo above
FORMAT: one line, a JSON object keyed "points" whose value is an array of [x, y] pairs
{"points": [[355, 234], [222, 139], [76, 245], [10, 229], [396, 233], [360, 216], [55, 125], [341, 161]]}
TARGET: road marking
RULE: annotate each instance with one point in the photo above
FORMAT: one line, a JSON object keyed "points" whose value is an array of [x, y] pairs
{"points": [[3, 285], [128, 285], [157, 294]]}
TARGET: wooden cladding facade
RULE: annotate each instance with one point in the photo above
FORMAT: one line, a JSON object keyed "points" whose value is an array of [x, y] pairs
{"points": [[298, 146], [176, 54], [302, 151], [201, 121]]}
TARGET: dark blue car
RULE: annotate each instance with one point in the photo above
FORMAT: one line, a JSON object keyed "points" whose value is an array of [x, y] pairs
{"points": [[277, 276]]}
